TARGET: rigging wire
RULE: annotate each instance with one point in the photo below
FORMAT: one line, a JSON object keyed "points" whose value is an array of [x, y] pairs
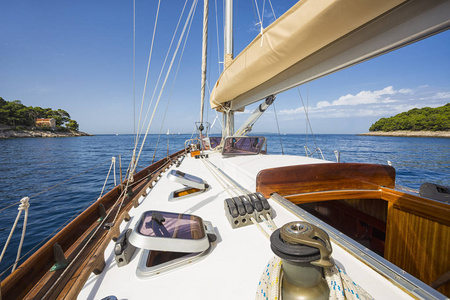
{"points": [[163, 66], [308, 123], [113, 163], [273, 12], [134, 71], [260, 21], [24, 205], [190, 15], [204, 61], [278, 127], [171, 92], [218, 44], [161, 72], [146, 75]]}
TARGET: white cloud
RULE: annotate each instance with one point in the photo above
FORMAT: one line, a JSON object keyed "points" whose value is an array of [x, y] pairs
{"points": [[321, 104], [367, 97], [379, 103], [444, 95], [296, 111]]}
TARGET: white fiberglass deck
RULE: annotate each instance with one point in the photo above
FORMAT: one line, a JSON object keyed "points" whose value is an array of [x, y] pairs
{"points": [[233, 268]]}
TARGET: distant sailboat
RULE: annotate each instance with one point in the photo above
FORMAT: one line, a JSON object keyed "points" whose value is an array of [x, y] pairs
{"points": [[168, 132]]}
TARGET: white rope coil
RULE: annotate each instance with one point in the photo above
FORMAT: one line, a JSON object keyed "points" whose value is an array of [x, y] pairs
{"points": [[340, 284]]}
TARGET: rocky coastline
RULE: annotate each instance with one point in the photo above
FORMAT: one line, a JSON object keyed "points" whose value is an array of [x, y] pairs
{"points": [[5, 134], [441, 134]]}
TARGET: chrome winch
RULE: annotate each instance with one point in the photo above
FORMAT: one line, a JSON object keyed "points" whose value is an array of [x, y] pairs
{"points": [[304, 250]]}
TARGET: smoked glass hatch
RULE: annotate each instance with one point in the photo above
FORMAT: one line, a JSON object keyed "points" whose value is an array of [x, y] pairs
{"points": [[243, 145], [175, 226], [169, 241], [167, 231]]}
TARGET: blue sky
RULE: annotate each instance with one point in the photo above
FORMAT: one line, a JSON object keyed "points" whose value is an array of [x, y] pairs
{"points": [[77, 55]]}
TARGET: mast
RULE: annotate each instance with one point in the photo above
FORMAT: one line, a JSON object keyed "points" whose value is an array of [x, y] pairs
{"points": [[228, 115], [228, 35], [204, 59]]}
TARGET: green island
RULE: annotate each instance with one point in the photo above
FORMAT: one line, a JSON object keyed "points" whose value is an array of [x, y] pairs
{"points": [[19, 120], [426, 121]]}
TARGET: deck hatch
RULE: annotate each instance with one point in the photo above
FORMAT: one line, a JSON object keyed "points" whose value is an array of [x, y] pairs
{"points": [[170, 240], [244, 145], [166, 231], [193, 185]]}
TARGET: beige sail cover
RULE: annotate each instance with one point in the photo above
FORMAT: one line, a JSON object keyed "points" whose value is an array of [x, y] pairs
{"points": [[303, 30]]}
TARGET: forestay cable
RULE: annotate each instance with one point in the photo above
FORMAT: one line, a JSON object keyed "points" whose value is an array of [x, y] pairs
{"points": [[148, 68], [161, 72], [164, 83], [170, 95]]}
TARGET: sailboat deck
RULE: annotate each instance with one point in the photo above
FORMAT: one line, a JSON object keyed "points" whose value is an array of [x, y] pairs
{"points": [[233, 268]]}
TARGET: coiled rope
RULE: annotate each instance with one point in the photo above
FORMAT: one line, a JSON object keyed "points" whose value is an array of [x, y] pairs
{"points": [[340, 284]]}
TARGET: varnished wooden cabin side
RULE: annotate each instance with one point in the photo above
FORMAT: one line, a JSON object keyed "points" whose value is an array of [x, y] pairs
{"points": [[417, 230]]}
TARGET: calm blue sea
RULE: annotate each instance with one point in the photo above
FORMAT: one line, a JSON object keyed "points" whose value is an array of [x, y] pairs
{"points": [[30, 166]]}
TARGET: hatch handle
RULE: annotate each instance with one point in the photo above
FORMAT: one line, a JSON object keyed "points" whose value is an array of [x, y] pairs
{"points": [[158, 218]]}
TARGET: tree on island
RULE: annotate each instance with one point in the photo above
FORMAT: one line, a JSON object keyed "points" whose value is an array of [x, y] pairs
{"points": [[72, 125], [427, 118], [15, 114]]}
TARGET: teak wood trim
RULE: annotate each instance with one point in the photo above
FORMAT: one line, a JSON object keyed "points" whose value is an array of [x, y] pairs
{"points": [[432, 210], [96, 262], [417, 243], [324, 177], [417, 229], [36, 268]]}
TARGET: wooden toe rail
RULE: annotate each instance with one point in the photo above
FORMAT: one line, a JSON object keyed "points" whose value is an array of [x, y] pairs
{"points": [[33, 280]]}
